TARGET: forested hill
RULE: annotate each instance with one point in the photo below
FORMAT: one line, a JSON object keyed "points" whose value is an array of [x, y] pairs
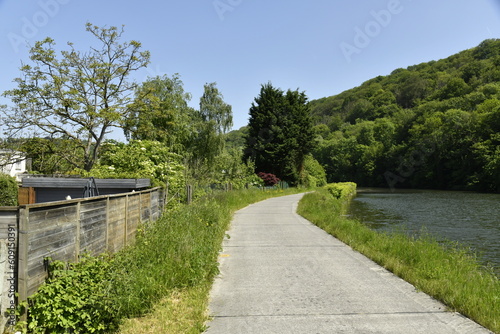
{"points": [[432, 125]]}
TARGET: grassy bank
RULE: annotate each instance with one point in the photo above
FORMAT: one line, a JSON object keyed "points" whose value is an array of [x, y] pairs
{"points": [[448, 273]]}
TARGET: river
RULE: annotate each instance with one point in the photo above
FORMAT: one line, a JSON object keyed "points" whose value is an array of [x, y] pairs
{"points": [[472, 219]]}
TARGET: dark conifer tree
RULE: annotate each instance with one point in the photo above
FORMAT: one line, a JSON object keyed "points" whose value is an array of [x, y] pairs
{"points": [[280, 133]]}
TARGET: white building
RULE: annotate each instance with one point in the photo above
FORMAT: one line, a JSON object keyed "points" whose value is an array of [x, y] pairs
{"points": [[12, 163]]}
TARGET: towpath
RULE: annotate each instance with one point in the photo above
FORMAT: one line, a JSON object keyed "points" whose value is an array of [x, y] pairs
{"points": [[281, 274]]}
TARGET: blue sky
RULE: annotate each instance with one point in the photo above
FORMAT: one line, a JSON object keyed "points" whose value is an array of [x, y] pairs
{"points": [[322, 47]]}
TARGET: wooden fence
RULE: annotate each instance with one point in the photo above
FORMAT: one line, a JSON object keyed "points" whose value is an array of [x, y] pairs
{"points": [[64, 230]]}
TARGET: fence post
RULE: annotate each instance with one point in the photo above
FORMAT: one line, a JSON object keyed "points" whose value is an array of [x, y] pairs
{"points": [[78, 231], [189, 194], [151, 214], [140, 208], [126, 223], [107, 222], [166, 197]]}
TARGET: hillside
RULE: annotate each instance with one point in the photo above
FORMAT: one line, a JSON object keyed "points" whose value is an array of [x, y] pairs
{"points": [[432, 125]]}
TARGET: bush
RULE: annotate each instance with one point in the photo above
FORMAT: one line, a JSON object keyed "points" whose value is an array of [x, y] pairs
{"points": [[342, 190], [140, 159], [315, 175], [269, 179], [8, 190], [74, 299]]}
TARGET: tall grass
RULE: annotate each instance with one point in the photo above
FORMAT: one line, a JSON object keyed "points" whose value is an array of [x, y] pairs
{"points": [[449, 273], [178, 251]]}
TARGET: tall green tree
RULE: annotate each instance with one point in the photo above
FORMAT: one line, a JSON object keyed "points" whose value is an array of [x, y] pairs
{"points": [[80, 96], [160, 112], [214, 120], [280, 133]]}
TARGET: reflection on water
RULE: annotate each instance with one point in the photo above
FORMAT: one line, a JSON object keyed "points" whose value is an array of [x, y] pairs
{"points": [[473, 219]]}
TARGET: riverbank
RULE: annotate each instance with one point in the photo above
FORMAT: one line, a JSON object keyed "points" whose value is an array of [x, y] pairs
{"points": [[468, 218], [449, 274]]}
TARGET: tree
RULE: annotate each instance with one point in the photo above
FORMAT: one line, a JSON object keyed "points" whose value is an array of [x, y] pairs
{"points": [[299, 132], [214, 120], [77, 96], [160, 112], [280, 133], [411, 88]]}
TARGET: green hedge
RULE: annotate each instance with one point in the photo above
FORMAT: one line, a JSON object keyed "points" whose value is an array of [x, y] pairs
{"points": [[8, 190], [342, 190]]}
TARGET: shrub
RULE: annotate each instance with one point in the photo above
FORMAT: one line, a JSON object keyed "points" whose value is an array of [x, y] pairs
{"points": [[8, 190], [342, 190], [269, 179], [315, 175], [74, 299], [140, 159]]}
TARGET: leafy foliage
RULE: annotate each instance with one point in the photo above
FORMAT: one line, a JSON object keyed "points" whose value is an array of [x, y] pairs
{"points": [[213, 121], [74, 299], [51, 156], [432, 125], [8, 190], [342, 190], [315, 175], [160, 112], [269, 179], [141, 159], [280, 133], [78, 96]]}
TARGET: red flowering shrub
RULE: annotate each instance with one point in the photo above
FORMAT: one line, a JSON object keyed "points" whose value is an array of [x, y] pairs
{"points": [[269, 179]]}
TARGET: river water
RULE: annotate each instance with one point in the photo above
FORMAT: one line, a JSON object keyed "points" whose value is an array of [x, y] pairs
{"points": [[472, 219]]}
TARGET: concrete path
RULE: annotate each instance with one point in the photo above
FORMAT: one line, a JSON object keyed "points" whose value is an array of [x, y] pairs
{"points": [[281, 274]]}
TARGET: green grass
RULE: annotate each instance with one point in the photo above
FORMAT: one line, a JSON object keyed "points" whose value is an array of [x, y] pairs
{"points": [[179, 311], [449, 273]]}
